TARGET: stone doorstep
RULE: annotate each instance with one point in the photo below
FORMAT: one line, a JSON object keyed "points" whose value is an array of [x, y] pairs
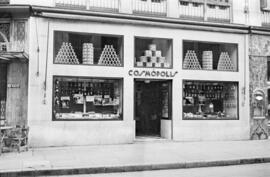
{"points": [[130, 168]]}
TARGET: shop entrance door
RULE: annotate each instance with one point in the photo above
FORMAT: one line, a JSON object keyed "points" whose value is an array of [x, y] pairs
{"points": [[3, 92], [151, 105]]}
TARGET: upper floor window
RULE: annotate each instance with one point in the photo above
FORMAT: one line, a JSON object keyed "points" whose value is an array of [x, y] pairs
{"points": [[88, 49]]}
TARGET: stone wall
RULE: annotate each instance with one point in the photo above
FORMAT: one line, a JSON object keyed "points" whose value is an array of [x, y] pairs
{"points": [[259, 51]]}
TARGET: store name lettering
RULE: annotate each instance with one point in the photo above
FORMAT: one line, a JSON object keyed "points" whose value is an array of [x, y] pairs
{"points": [[144, 73]]}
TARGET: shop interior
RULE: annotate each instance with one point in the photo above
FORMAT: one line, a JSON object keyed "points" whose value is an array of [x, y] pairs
{"points": [[80, 98], [210, 100]]}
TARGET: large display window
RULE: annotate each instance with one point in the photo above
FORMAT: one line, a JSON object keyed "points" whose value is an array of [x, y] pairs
{"points": [[153, 52], [79, 98], [88, 49], [210, 100], [200, 55]]}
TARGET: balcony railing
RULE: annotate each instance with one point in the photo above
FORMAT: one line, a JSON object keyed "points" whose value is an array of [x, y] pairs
{"points": [[4, 2], [218, 13], [265, 15], [150, 7], [12, 46], [208, 10], [191, 10], [98, 5]]}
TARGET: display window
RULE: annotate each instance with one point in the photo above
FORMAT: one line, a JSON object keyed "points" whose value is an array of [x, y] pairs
{"points": [[210, 56], [210, 100], [79, 98], [153, 53], [88, 49]]}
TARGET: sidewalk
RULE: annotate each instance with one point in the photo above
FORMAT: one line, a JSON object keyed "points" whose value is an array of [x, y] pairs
{"points": [[132, 157]]}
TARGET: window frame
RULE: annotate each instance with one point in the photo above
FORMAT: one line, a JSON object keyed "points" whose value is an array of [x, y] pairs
{"points": [[211, 43], [152, 38], [121, 53]]}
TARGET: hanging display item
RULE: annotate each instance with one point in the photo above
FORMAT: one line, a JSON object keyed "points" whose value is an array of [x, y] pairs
{"points": [[225, 63], [66, 54], [191, 61], [2, 112], [207, 60], [88, 53], [152, 58], [109, 57]]}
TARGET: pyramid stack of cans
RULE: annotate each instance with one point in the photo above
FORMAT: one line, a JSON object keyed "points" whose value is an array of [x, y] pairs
{"points": [[191, 60], [88, 53], [225, 63], [152, 58], [66, 55], [207, 60], [109, 57]]}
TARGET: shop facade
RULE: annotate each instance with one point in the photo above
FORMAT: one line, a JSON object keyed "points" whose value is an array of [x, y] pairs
{"points": [[109, 83]]}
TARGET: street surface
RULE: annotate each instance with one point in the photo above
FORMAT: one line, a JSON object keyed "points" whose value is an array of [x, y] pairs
{"points": [[254, 170]]}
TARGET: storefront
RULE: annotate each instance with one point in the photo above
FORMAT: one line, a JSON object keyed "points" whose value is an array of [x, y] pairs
{"points": [[13, 72], [109, 83]]}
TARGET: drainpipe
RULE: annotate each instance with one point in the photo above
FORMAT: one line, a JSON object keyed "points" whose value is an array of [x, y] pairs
{"points": [[46, 66]]}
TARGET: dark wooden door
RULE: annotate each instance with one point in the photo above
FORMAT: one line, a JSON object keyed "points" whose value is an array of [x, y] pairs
{"points": [[3, 91], [3, 81]]}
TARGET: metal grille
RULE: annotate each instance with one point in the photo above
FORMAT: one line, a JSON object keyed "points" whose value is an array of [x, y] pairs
{"points": [[98, 5], [4, 28]]}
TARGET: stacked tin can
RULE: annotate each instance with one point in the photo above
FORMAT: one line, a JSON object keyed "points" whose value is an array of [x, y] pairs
{"points": [[88, 53], [207, 60]]}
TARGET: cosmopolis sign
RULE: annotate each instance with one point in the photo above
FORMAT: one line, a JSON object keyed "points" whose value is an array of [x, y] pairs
{"points": [[153, 73]]}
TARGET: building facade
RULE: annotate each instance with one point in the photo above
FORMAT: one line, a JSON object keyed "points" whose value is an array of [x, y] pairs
{"points": [[107, 72]]}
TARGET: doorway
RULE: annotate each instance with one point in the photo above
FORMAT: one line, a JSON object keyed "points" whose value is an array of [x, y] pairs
{"points": [[3, 92], [152, 104]]}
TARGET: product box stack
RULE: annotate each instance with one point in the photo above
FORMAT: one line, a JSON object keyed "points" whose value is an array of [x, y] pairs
{"points": [[109, 57], [66, 55], [207, 60], [88, 53], [191, 60], [152, 58], [225, 63]]}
